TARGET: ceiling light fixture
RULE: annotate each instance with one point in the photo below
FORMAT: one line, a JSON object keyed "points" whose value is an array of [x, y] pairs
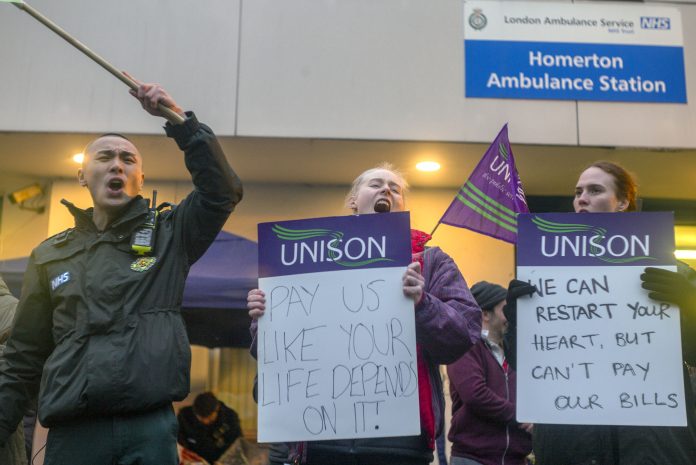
{"points": [[428, 166], [78, 158]]}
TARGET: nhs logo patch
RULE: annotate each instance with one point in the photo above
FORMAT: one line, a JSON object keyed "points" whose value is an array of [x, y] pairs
{"points": [[60, 280], [654, 22]]}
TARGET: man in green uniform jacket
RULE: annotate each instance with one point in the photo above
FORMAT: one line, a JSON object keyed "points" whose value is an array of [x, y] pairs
{"points": [[98, 328]]}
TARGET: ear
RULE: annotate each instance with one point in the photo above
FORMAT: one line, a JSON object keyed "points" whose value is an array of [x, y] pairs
{"points": [[142, 181], [81, 178], [352, 205], [623, 205]]}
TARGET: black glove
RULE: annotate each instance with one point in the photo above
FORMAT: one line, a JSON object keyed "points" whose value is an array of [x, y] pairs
{"points": [[516, 289], [675, 288], [669, 286]]}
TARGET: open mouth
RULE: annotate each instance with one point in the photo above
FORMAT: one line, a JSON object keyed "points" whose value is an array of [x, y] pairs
{"points": [[115, 186], [382, 206]]}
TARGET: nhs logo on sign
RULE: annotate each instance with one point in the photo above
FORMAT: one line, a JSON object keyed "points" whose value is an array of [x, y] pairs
{"points": [[654, 22]]}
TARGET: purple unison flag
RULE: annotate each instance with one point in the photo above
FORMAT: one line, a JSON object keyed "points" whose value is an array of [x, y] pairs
{"points": [[492, 197]]}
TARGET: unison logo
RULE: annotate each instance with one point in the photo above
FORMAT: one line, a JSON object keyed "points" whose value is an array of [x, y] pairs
{"points": [[500, 166], [583, 240], [325, 245]]}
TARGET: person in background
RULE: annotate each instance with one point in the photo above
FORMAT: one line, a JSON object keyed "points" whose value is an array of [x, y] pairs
{"points": [[483, 388], [601, 188], [448, 323], [14, 452], [207, 428]]}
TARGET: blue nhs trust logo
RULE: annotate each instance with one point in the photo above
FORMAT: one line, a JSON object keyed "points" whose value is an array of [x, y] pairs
{"points": [[654, 22]]}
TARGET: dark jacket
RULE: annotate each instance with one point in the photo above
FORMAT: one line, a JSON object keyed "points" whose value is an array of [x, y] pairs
{"points": [[627, 445], [208, 441], [8, 304], [97, 327], [13, 453], [483, 410], [448, 322], [619, 445]]}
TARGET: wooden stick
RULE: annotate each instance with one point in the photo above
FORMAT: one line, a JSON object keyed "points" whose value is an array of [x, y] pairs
{"points": [[171, 115], [434, 229]]}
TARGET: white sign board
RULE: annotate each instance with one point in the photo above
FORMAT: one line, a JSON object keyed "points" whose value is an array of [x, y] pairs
{"points": [[593, 348], [337, 344]]}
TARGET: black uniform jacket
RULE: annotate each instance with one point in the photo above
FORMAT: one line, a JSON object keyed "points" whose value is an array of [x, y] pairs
{"points": [[209, 441], [99, 328]]}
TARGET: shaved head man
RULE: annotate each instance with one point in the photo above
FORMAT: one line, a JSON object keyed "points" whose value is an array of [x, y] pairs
{"points": [[98, 333]]}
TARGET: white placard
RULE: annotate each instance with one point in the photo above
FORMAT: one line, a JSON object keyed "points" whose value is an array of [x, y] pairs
{"points": [[593, 348], [337, 357]]}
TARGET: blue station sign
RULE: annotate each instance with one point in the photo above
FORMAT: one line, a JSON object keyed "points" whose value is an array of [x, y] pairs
{"points": [[530, 50]]}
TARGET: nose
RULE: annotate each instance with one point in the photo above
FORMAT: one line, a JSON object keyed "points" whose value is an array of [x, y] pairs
{"points": [[583, 198], [116, 165]]}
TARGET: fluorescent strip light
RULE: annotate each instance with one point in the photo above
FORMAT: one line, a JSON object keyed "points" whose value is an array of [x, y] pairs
{"points": [[685, 254]]}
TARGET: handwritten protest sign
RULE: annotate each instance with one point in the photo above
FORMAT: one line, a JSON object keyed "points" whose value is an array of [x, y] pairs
{"points": [[593, 348], [336, 346]]}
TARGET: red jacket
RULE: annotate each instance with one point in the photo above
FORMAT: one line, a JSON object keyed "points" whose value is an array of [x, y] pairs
{"points": [[483, 410]]}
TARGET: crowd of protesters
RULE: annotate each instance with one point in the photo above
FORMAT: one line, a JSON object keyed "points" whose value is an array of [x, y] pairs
{"points": [[481, 370], [98, 340]]}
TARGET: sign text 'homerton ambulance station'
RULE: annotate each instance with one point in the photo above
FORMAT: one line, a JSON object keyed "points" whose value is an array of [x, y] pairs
{"points": [[567, 51]]}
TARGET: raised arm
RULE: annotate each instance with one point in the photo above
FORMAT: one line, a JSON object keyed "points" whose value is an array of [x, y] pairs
{"points": [[217, 189]]}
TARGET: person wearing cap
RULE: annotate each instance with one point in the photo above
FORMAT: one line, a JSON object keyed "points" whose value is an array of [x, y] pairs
{"points": [[482, 387]]}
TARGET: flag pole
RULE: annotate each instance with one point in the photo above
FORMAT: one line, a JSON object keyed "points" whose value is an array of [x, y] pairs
{"points": [[435, 228], [170, 115]]}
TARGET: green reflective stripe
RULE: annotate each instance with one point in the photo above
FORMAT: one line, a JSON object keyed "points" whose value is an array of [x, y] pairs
{"points": [[486, 215], [502, 216], [498, 205], [502, 150]]}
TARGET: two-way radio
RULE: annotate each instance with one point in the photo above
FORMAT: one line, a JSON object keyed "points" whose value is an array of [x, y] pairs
{"points": [[143, 238]]}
